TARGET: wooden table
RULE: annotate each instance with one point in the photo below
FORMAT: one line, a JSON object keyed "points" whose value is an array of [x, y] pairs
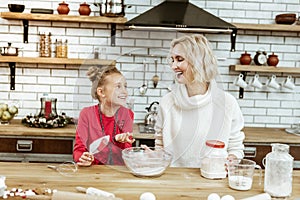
{"points": [[175, 183]]}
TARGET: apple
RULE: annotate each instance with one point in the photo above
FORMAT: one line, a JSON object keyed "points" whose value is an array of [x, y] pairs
{"points": [[13, 110], [6, 116], [3, 106]]}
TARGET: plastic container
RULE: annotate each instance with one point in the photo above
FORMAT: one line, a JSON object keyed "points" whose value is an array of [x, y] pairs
{"points": [[278, 171], [213, 163]]}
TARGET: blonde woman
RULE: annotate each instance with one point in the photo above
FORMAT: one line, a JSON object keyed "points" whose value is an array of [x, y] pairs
{"points": [[196, 109], [104, 129]]}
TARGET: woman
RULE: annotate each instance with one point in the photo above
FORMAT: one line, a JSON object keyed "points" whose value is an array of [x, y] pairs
{"points": [[106, 128], [197, 110]]}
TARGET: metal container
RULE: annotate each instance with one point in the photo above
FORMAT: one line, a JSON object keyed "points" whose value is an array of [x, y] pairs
{"points": [[9, 50], [111, 8]]}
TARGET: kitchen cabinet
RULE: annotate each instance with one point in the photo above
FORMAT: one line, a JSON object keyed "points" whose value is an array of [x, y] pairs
{"points": [[26, 144], [26, 17]]}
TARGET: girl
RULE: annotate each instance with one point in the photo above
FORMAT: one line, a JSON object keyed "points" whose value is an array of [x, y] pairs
{"points": [[105, 129]]}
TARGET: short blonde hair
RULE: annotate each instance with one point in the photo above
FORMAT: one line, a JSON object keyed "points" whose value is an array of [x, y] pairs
{"points": [[98, 74], [199, 55]]}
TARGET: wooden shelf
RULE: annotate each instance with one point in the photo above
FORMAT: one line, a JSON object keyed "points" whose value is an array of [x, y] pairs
{"points": [[55, 61], [65, 18], [268, 27], [25, 17], [255, 68]]}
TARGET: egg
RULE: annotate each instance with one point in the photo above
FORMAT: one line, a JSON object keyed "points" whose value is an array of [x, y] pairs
{"points": [[147, 196], [213, 196], [227, 197]]}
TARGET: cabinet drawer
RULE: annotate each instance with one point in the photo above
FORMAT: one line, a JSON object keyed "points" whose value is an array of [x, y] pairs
{"points": [[36, 145]]}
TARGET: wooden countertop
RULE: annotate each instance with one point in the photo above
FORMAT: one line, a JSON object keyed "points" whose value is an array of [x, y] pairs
{"points": [[253, 134], [175, 183]]}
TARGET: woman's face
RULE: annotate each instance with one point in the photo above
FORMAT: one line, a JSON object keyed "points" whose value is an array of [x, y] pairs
{"points": [[115, 90], [180, 65]]}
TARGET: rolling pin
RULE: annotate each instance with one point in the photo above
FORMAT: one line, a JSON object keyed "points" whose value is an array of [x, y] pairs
{"points": [[95, 192], [64, 195]]}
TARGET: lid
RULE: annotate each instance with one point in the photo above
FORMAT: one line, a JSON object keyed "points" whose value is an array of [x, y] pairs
{"points": [[215, 143]]}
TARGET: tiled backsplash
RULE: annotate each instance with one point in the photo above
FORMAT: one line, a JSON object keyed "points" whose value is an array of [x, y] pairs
{"points": [[261, 107]]}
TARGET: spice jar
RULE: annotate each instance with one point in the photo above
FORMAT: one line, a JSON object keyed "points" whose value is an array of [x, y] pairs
{"points": [[45, 45], [84, 9], [273, 60], [245, 58], [61, 49], [278, 171], [63, 8], [214, 160]]}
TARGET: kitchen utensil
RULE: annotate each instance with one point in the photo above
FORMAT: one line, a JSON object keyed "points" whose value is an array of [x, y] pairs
{"points": [[143, 88], [288, 83], [66, 169], [9, 50], [240, 174], [95, 192], [152, 161], [278, 171], [239, 81], [245, 58], [272, 83], [155, 78], [151, 115], [84, 9], [41, 10], [16, 8], [63, 8], [65, 195], [99, 144], [111, 8], [254, 82], [272, 60], [288, 18]]}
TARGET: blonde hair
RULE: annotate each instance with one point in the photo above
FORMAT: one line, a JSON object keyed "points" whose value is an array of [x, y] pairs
{"points": [[97, 75], [200, 56]]}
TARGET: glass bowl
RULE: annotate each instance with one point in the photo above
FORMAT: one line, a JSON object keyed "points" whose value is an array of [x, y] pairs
{"points": [[7, 112], [149, 161]]}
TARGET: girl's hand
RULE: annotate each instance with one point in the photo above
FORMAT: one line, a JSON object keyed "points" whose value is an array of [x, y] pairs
{"points": [[86, 159], [124, 137]]}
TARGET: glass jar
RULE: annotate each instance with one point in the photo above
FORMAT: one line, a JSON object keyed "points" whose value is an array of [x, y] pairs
{"points": [[48, 107], [278, 171], [214, 160], [61, 49]]}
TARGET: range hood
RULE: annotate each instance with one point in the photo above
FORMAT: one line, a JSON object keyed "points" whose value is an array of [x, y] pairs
{"points": [[180, 15]]}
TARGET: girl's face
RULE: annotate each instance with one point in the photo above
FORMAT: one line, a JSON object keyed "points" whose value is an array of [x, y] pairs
{"points": [[114, 91], [180, 65]]}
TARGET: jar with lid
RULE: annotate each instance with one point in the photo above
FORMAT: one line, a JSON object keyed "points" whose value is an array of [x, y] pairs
{"points": [[61, 49], [214, 160], [278, 171]]}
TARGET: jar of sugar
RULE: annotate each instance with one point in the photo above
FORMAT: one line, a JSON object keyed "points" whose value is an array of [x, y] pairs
{"points": [[214, 160]]}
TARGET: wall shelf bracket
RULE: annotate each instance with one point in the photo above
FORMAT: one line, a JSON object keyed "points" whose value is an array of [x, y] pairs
{"points": [[113, 34], [25, 30], [12, 66], [241, 92]]}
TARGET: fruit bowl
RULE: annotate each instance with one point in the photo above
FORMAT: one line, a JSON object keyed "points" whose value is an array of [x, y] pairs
{"points": [[7, 112], [149, 161]]}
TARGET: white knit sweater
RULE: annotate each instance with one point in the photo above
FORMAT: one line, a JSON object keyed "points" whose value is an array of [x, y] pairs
{"points": [[184, 124]]}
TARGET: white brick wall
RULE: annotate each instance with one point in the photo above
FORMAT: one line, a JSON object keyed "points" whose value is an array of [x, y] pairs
{"points": [[261, 107]]}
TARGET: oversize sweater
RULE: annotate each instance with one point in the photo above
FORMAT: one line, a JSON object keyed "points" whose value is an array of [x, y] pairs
{"points": [[185, 123]]}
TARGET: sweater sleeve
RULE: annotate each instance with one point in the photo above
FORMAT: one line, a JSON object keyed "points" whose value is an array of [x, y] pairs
{"points": [[237, 136]]}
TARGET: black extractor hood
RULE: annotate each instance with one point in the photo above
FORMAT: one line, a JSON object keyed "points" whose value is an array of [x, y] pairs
{"points": [[180, 15]]}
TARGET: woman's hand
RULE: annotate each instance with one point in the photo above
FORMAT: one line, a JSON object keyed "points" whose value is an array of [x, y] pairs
{"points": [[124, 137], [231, 157], [86, 159]]}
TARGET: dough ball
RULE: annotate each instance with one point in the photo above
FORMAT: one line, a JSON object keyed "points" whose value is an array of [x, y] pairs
{"points": [[147, 196]]}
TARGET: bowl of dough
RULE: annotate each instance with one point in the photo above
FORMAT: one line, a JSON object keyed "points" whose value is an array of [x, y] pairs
{"points": [[7, 112], [146, 161]]}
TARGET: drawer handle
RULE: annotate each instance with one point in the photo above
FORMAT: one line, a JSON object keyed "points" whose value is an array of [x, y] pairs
{"points": [[250, 152], [24, 145]]}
